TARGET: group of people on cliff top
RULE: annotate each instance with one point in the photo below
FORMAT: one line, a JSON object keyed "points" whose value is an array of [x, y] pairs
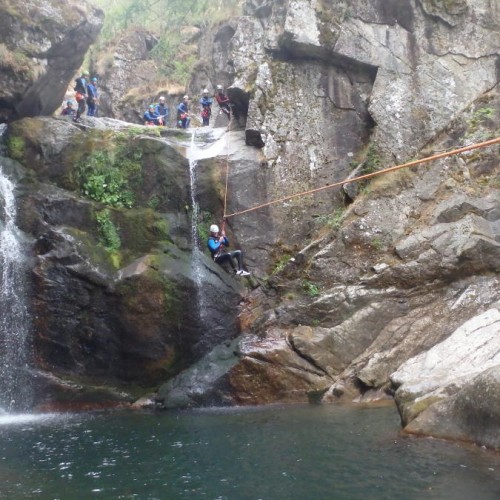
{"points": [[157, 114], [86, 96]]}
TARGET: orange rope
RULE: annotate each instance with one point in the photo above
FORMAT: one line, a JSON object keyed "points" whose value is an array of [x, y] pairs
{"points": [[367, 176]]}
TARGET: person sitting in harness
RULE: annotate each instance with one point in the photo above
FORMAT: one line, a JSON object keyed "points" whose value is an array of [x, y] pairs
{"points": [[217, 244], [223, 101], [151, 117], [68, 110]]}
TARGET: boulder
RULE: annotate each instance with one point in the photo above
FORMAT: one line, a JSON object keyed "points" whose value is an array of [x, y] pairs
{"points": [[43, 45], [247, 371], [447, 367], [472, 414]]}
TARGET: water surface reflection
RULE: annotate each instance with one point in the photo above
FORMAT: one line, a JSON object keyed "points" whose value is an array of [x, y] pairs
{"points": [[312, 452]]}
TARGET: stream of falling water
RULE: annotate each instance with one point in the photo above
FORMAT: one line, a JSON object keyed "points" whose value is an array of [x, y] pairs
{"points": [[15, 352], [197, 261]]}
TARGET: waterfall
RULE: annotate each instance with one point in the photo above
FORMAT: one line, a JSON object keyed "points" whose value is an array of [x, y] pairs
{"points": [[15, 346], [197, 261]]}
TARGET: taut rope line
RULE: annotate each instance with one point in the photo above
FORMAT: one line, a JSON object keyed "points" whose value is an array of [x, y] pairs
{"points": [[365, 176]]}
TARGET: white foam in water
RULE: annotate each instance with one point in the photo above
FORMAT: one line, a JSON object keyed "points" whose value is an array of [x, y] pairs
{"points": [[23, 418]]}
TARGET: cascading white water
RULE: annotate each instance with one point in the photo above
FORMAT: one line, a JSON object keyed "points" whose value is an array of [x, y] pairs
{"points": [[15, 352], [193, 162], [197, 265]]}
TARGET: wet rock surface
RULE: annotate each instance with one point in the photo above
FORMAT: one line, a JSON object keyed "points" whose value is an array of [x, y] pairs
{"points": [[113, 318]]}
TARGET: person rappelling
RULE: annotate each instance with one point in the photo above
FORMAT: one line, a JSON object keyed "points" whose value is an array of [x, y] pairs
{"points": [[217, 244]]}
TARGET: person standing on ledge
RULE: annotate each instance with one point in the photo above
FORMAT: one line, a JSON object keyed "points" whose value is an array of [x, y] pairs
{"points": [[92, 97], [223, 101], [162, 110], [206, 108], [217, 244], [81, 94], [183, 113]]}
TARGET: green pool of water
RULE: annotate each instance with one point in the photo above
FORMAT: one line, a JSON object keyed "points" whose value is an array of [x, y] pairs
{"points": [[310, 452]]}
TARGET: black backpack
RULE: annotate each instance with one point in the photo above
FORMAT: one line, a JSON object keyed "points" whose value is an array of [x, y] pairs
{"points": [[80, 86]]}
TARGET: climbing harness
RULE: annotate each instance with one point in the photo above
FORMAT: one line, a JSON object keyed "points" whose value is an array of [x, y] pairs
{"points": [[355, 179]]}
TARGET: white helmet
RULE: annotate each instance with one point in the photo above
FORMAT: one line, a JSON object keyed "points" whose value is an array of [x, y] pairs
{"points": [[186, 97], [205, 91], [214, 228], [219, 87], [161, 98]]}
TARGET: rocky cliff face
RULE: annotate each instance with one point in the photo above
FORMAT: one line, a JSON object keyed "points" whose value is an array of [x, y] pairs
{"points": [[115, 293], [356, 291], [363, 290], [42, 46]]}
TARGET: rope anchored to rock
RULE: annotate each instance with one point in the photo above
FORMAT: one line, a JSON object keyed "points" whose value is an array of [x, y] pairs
{"points": [[484, 144]]}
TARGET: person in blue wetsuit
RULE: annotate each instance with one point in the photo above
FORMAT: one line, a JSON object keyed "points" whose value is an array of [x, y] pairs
{"points": [[92, 97], [151, 117], [217, 244], [162, 110], [206, 108], [183, 119]]}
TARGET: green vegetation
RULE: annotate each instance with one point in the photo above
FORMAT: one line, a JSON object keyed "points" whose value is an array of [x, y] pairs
{"points": [[281, 263], [174, 22], [160, 228], [108, 232], [480, 116], [171, 300], [108, 175], [153, 202], [15, 61], [203, 225], [310, 288], [377, 243], [16, 148], [373, 162], [141, 130], [333, 220]]}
